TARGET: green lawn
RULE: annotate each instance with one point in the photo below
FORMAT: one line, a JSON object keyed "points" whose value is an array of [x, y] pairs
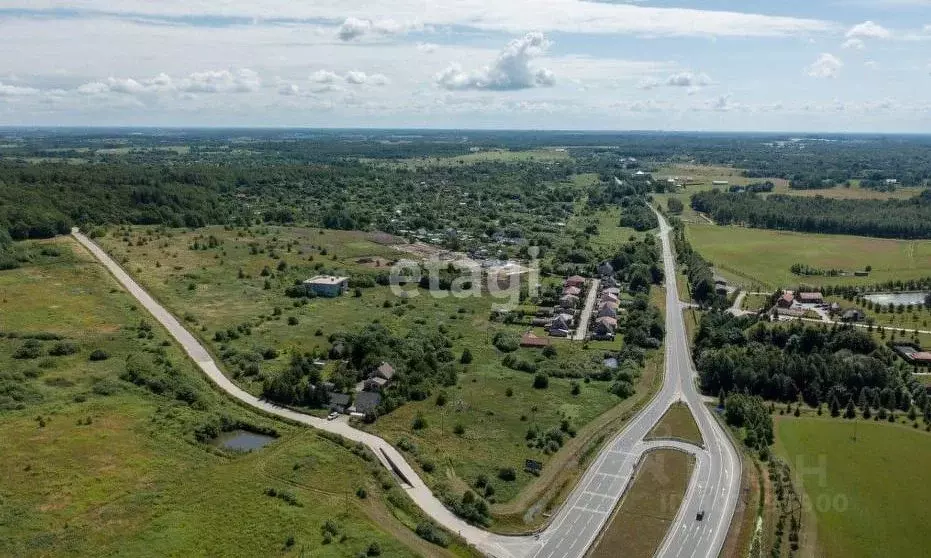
{"points": [[761, 259], [677, 423], [869, 495], [648, 508], [95, 465], [494, 423]]}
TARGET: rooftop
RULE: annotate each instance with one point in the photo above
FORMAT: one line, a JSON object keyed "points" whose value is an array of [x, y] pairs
{"points": [[326, 280]]}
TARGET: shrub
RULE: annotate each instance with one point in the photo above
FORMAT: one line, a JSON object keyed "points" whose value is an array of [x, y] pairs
{"points": [[541, 381], [63, 348], [459, 430], [293, 321], [429, 532], [373, 550], [509, 392], [507, 474], [30, 349], [419, 422], [466, 357], [362, 493]]}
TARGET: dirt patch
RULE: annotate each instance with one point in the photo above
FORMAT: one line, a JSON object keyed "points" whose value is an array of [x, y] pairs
{"points": [[374, 262]]}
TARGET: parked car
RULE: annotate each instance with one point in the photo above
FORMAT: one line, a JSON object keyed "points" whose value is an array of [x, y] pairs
{"points": [[332, 415]]}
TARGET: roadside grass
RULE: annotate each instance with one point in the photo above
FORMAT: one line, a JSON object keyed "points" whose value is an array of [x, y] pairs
{"points": [[867, 494], [677, 423], [759, 258], [95, 465], [648, 508], [494, 424]]}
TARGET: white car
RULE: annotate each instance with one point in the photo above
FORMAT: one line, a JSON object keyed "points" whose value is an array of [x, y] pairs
{"points": [[332, 415]]}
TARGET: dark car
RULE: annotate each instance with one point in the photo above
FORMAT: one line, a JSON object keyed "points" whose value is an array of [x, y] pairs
{"points": [[700, 515]]}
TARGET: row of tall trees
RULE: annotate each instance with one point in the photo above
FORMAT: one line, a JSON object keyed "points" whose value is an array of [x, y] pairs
{"points": [[880, 218]]}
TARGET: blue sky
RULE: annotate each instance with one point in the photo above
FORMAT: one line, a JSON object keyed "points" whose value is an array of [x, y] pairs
{"points": [[844, 65]]}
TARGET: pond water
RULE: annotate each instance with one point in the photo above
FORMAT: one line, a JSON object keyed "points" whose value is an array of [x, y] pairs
{"points": [[242, 440], [897, 298]]}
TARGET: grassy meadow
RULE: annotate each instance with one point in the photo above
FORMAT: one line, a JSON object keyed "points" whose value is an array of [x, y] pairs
{"points": [[649, 507], [867, 496], [96, 465], [677, 423], [763, 258], [494, 405]]}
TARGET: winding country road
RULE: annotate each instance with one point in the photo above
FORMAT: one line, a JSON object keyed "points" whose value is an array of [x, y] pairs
{"points": [[713, 488]]}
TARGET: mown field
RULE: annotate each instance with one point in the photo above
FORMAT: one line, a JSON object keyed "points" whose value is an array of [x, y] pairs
{"points": [[761, 259], [677, 423], [494, 405], [868, 495], [95, 464], [648, 508]]}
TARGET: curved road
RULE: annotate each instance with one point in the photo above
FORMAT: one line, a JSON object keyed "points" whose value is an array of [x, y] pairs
{"points": [[714, 485]]}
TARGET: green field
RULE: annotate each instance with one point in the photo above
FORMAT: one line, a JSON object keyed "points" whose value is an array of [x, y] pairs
{"points": [[868, 495], [648, 508], [763, 258], [677, 423], [206, 289], [96, 465]]}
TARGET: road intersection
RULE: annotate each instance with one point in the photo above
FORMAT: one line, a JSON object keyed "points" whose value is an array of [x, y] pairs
{"points": [[714, 487]]}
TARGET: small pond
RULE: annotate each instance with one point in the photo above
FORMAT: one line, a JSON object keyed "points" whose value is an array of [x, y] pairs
{"points": [[610, 362], [896, 298], [241, 440]]}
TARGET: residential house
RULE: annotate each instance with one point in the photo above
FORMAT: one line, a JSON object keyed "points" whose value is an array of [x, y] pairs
{"points": [[604, 329], [606, 312], [561, 326], [366, 402], [914, 355], [339, 402], [385, 371], [375, 383], [612, 291], [786, 300], [575, 281], [327, 285], [608, 297], [574, 291], [532, 341], [568, 301]]}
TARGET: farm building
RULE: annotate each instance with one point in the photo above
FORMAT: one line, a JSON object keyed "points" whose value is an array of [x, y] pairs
{"points": [[533, 341], [327, 285], [811, 298]]}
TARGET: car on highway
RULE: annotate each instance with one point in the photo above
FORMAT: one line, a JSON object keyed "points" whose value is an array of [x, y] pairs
{"points": [[332, 415]]}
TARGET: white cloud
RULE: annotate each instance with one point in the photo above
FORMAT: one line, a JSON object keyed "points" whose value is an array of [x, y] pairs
{"points": [[854, 44], [427, 48], [214, 81], [511, 70], [355, 28], [868, 30], [289, 89], [826, 66], [17, 91], [324, 76], [680, 79], [356, 77], [513, 16]]}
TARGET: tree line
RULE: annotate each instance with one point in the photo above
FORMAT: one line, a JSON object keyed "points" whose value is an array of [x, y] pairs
{"points": [[909, 218]]}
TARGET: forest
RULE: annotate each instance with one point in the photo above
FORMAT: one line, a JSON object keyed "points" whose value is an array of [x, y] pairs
{"points": [[795, 361], [907, 219]]}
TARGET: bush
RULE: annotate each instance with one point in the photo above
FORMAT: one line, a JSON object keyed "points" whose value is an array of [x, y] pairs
{"points": [[362, 493], [373, 550], [507, 474], [431, 533], [30, 349], [419, 422], [466, 357], [63, 348], [459, 430], [541, 381], [506, 342], [98, 355], [293, 321]]}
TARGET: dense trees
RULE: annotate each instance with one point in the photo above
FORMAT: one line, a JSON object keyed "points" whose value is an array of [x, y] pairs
{"points": [[786, 362], [882, 218], [697, 270]]}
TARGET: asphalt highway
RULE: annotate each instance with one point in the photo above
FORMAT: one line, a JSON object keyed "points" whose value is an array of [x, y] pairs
{"points": [[714, 486]]}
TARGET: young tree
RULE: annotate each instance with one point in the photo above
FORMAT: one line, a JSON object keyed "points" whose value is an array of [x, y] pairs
{"points": [[851, 411], [835, 406]]}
